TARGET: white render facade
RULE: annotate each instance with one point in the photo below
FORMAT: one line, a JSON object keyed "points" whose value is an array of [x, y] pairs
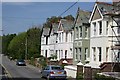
{"points": [[102, 37], [64, 46], [60, 42], [45, 42]]}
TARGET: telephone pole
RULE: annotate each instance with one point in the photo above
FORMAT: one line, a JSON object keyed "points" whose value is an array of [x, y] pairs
{"points": [[26, 48]]}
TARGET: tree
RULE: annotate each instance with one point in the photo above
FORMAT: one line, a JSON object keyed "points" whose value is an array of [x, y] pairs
{"points": [[16, 48], [33, 39], [55, 19], [69, 17], [5, 42]]}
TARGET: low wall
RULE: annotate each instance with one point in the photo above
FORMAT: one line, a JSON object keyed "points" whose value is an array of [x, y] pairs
{"points": [[71, 70], [110, 67]]}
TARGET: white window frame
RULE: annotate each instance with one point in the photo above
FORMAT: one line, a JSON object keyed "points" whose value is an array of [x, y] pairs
{"points": [[80, 29], [86, 53], [107, 23], [86, 32], [100, 54], [76, 53], [94, 53], [80, 53], [100, 27], [94, 28]]}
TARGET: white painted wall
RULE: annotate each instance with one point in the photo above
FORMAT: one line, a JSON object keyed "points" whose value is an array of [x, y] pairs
{"points": [[71, 71], [63, 45], [103, 41]]}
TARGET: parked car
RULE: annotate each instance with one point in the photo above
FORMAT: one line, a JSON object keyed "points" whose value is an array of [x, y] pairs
{"points": [[20, 62], [53, 71]]}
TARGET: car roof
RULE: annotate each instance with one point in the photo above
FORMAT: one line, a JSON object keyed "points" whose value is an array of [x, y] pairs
{"points": [[54, 65], [20, 60]]}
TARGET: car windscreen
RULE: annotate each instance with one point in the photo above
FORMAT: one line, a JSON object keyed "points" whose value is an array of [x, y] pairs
{"points": [[56, 68], [21, 61]]}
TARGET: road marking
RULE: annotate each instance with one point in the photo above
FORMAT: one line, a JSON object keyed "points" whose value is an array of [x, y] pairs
{"points": [[8, 73]]}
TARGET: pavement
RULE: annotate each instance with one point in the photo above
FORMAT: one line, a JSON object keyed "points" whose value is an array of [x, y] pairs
{"points": [[33, 67], [4, 73]]}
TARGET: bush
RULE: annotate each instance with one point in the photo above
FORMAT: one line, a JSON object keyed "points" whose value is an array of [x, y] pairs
{"points": [[102, 77], [79, 76]]}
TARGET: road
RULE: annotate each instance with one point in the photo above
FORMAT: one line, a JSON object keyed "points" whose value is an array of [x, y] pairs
{"points": [[20, 72], [3, 75]]}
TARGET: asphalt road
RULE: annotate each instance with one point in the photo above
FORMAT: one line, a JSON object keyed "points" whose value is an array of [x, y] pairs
{"points": [[3, 75], [20, 72]]}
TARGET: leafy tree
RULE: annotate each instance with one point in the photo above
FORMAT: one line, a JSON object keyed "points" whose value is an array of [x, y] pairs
{"points": [[5, 42], [33, 42], [69, 17], [55, 19], [16, 47], [51, 20]]}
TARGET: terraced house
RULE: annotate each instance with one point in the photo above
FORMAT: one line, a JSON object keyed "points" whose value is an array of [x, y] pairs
{"points": [[103, 37], [45, 42], [81, 45], [58, 40]]}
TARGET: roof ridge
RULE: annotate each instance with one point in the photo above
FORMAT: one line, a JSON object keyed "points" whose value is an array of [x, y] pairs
{"points": [[85, 10], [104, 3]]}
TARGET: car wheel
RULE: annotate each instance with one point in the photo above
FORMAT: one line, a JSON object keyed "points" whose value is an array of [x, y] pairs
{"points": [[42, 76], [48, 77]]}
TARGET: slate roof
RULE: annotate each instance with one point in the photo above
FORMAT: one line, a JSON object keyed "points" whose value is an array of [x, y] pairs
{"points": [[66, 24], [83, 16], [110, 9], [54, 27], [106, 7], [46, 31]]}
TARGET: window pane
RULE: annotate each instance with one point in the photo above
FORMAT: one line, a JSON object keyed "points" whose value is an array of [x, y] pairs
{"points": [[100, 27], [56, 68], [94, 25]]}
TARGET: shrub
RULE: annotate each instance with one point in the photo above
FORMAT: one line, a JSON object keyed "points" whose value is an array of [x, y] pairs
{"points": [[79, 76], [102, 77]]}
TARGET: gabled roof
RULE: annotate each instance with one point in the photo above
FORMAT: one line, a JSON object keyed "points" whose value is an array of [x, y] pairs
{"points": [[82, 16], [54, 27], [115, 16], [112, 10], [66, 25], [46, 31], [103, 8], [116, 2], [106, 7]]}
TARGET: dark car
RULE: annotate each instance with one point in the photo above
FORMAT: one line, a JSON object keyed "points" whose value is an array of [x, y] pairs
{"points": [[20, 62], [53, 71]]}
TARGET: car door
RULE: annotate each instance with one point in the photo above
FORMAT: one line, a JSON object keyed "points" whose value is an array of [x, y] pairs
{"points": [[45, 71]]}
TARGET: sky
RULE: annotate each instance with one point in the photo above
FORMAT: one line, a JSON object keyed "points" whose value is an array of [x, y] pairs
{"points": [[20, 16]]}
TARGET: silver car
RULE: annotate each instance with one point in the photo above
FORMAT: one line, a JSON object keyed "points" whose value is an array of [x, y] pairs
{"points": [[20, 62], [54, 71]]}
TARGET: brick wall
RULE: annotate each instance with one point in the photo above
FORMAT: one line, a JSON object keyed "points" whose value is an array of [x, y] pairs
{"points": [[110, 66]]}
